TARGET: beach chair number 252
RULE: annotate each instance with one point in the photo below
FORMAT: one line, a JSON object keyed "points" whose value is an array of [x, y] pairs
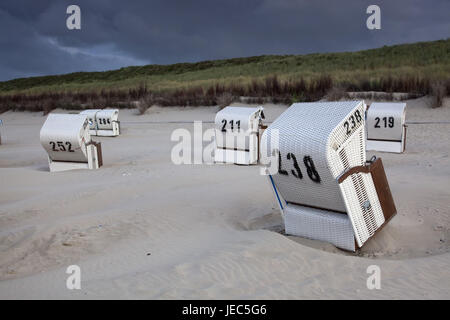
{"points": [[388, 122], [297, 173], [61, 146]]}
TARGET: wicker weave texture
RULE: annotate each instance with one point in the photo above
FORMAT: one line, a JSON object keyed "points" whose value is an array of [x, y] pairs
{"points": [[323, 225], [316, 131], [332, 136], [363, 205]]}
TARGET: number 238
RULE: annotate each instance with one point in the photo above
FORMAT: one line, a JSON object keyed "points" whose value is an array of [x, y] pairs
{"points": [[352, 121], [297, 172]]}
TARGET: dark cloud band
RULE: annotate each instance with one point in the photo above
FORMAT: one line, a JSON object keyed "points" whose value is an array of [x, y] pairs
{"points": [[34, 39]]}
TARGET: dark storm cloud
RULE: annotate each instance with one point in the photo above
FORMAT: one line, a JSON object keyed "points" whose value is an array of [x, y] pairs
{"points": [[34, 39]]}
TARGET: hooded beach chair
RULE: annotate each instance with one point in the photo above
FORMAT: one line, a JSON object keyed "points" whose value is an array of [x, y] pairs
{"points": [[103, 122], [386, 129], [324, 186], [237, 135], [68, 143]]}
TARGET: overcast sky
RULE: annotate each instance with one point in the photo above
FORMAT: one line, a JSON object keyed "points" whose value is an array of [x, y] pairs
{"points": [[34, 39]]}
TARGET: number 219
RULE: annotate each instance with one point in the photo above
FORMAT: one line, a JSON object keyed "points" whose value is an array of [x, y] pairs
{"points": [[388, 122]]}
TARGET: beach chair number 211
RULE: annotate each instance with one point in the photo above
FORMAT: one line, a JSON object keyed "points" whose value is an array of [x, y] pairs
{"points": [[238, 125]]}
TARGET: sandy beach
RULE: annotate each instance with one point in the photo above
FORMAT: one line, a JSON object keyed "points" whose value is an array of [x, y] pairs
{"points": [[142, 227]]}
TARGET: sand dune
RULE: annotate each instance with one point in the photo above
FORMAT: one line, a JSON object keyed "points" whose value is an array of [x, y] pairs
{"points": [[142, 227]]}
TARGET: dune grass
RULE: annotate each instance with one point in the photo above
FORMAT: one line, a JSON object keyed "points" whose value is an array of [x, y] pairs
{"points": [[408, 68]]}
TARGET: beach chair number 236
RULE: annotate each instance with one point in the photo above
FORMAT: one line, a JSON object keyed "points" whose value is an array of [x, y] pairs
{"points": [[104, 121]]}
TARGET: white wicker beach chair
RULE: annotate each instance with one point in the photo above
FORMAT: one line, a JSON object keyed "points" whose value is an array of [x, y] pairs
{"points": [[324, 186], [103, 122], [68, 143], [237, 133], [386, 129]]}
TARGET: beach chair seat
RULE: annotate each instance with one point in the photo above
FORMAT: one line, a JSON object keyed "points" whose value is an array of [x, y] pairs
{"points": [[386, 129], [103, 122], [68, 143], [325, 187], [237, 135]]}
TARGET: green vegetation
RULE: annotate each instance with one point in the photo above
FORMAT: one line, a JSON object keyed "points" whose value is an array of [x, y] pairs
{"points": [[408, 68], [425, 60]]}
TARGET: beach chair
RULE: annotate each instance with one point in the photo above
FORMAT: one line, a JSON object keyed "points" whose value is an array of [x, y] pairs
{"points": [[237, 135], [103, 122], [386, 129], [68, 143], [324, 186]]}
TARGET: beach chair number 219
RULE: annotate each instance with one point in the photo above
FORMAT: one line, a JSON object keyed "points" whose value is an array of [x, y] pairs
{"points": [[388, 122], [297, 173]]}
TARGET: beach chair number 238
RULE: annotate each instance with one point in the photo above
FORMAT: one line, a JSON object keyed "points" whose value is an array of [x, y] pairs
{"points": [[352, 122], [297, 172]]}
